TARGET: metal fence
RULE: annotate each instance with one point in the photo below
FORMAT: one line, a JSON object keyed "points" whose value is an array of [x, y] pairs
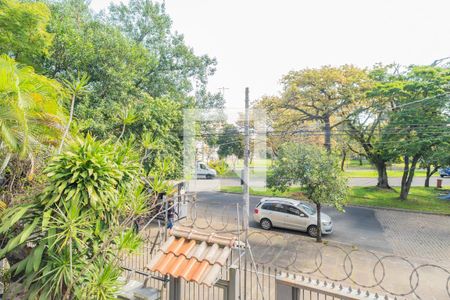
{"points": [[274, 253]]}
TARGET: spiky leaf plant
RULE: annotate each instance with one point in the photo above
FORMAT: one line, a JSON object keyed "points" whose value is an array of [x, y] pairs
{"points": [[79, 226]]}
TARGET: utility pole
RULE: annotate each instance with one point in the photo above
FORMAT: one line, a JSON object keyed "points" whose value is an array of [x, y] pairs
{"points": [[222, 89], [246, 206]]}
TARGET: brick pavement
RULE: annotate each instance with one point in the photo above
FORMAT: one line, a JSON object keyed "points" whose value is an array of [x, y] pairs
{"points": [[410, 235]]}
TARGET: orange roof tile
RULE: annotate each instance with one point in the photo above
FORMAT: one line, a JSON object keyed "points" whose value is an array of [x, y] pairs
{"points": [[192, 259]]}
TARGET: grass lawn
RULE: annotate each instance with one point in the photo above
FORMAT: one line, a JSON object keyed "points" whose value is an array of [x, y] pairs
{"points": [[353, 173], [353, 169], [420, 198], [373, 173]]}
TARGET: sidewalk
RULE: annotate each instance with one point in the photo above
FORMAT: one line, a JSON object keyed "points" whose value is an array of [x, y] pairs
{"points": [[379, 272]]}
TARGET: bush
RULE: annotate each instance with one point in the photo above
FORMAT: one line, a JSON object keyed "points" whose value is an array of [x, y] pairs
{"points": [[220, 166], [79, 226]]}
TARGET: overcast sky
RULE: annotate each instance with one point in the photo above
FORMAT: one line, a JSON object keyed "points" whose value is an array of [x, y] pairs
{"points": [[257, 41]]}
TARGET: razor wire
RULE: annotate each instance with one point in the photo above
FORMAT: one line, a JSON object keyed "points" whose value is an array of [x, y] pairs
{"points": [[291, 255], [303, 256]]}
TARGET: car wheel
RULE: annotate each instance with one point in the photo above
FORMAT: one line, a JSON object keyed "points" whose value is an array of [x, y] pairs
{"points": [[312, 230], [442, 176], [265, 224], [208, 176]]}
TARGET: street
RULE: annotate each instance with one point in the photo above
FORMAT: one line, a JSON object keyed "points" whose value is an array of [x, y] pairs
{"points": [[259, 182], [400, 233]]}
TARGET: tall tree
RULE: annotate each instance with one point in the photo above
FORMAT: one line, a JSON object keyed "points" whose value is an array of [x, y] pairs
{"points": [[230, 142], [365, 124], [417, 122], [23, 33], [113, 62], [326, 96], [177, 67]]}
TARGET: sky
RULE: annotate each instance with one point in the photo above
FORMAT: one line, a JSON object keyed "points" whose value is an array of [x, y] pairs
{"points": [[256, 42]]}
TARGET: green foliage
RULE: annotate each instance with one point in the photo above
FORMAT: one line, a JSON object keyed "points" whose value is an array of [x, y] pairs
{"points": [[23, 32], [220, 166], [3, 206], [327, 95], [417, 123], [158, 177], [29, 110], [317, 172], [100, 282], [176, 66], [80, 224], [231, 142], [31, 118]]}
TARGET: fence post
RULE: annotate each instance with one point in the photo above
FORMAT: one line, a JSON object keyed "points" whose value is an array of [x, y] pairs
{"points": [[233, 284], [283, 291], [174, 288]]}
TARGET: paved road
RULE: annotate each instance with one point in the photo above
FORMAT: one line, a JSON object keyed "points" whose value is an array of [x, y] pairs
{"points": [[400, 233], [258, 182]]}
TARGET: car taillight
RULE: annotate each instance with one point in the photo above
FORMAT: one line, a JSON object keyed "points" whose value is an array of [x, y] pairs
{"points": [[256, 211]]}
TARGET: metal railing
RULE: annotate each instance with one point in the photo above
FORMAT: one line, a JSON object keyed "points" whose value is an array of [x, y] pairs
{"points": [[272, 253]]}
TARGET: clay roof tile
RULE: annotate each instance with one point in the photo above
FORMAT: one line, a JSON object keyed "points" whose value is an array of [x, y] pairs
{"points": [[192, 259]]}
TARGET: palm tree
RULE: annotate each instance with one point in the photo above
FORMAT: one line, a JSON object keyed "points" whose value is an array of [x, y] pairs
{"points": [[30, 114]]}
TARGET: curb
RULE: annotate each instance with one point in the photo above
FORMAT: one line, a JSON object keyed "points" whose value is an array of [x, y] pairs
{"points": [[400, 210], [373, 207]]}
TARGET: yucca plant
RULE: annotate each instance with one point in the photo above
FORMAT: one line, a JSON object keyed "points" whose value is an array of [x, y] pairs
{"points": [[79, 223]]}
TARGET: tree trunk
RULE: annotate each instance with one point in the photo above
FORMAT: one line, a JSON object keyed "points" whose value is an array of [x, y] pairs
{"points": [[327, 129], [344, 156], [319, 224], [66, 131], [429, 174], [360, 160], [427, 179], [408, 175], [121, 133], [382, 175], [5, 163], [403, 194]]}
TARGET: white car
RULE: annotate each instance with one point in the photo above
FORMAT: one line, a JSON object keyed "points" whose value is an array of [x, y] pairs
{"points": [[203, 171], [291, 214]]}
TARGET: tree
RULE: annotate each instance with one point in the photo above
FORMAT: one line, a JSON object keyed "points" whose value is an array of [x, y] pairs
{"points": [[30, 114], [80, 224], [23, 33], [158, 126], [212, 116], [325, 96], [231, 142], [84, 44], [176, 66], [316, 171], [365, 123], [438, 156], [280, 131], [417, 122], [153, 74]]}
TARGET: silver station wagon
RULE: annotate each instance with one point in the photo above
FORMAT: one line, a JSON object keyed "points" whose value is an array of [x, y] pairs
{"points": [[290, 214]]}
